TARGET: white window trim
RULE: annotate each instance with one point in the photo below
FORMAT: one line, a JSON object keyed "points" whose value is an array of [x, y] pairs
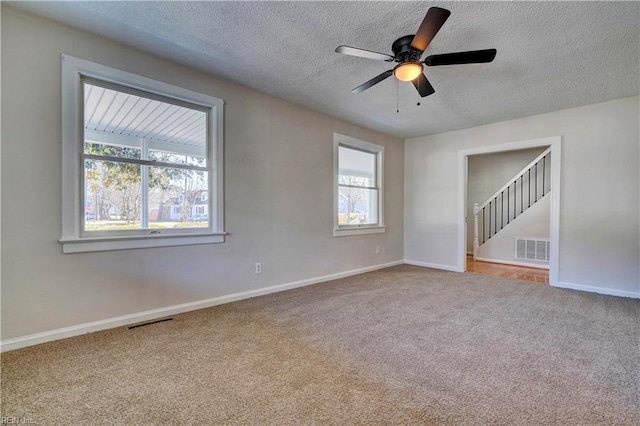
{"points": [[72, 144], [349, 142]]}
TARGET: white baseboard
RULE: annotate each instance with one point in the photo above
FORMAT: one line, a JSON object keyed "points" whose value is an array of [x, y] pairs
{"points": [[600, 290], [433, 265], [90, 327], [504, 262]]}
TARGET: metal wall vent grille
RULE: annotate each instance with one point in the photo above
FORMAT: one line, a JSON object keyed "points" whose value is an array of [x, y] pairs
{"points": [[532, 249]]}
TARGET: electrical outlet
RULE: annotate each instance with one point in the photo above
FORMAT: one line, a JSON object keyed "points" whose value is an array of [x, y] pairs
{"points": [[258, 267], [377, 249]]}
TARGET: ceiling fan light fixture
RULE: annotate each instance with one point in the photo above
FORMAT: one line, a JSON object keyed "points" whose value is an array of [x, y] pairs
{"points": [[408, 71]]}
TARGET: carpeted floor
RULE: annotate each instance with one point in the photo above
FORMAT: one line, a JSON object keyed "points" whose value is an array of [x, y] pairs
{"points": [[404, 345]]}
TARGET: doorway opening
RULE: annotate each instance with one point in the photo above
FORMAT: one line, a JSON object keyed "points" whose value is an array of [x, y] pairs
{"points": [[485, 228]]}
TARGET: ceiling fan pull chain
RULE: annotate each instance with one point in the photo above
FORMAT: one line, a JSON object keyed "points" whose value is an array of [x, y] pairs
{"points": [[397, 96]]}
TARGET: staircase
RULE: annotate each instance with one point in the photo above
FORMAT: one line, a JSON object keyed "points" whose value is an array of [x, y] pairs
{"points": [[514, 198]]}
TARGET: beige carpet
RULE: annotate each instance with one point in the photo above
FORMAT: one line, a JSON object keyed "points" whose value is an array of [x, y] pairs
{"points": [[404, 345]]}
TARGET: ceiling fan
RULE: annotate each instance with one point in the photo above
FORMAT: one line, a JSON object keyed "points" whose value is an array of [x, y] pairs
{"points": [[408, 50]]}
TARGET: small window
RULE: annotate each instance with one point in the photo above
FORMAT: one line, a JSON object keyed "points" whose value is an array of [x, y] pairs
{"points": [[358, 186], [144, 158]]}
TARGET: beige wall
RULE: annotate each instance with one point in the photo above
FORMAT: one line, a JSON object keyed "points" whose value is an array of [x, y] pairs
{"points": [[600, 204], [278, 191], [534, 222]]}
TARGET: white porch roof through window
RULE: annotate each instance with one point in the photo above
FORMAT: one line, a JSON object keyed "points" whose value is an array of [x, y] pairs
{"points": [[117, 117]]}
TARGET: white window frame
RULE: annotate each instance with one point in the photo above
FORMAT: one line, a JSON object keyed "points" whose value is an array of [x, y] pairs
{"points": [[353, 143], [72, 240]]}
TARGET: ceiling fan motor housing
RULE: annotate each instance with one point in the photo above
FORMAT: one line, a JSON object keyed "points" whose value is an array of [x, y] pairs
{"points": [[403, 51]]}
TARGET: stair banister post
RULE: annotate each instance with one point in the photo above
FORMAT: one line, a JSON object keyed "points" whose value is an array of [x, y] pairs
{"points": [[476, 243]]}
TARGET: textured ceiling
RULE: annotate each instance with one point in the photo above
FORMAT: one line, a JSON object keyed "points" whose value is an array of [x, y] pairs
{"points": [[551, 55]]}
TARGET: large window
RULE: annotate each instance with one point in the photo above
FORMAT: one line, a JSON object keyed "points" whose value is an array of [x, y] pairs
{"points": [[358, 186], [142, 162]]}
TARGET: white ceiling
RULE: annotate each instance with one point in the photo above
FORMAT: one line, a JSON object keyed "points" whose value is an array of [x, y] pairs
{"points": [[551, 55]]}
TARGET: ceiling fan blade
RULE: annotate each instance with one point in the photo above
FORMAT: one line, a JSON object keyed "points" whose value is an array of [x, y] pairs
{"points": [[470, 57], [433, 21], [362, 53], [372, 82], [423, 86]]}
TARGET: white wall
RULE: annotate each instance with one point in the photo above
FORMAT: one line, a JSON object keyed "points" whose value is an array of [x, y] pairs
{"points": [[532, 223], [278, 193], [599, 210], [486, 173]]}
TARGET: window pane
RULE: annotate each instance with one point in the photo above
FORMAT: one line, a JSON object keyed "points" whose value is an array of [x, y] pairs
{"points": [[357, 206], [356, 168], [108, 150], [113, 196], [175, 158], [124, 117], [178, 198]]}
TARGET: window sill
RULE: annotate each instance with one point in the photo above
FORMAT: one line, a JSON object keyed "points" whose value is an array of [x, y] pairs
{"points": [[358, 230], [81, 245]]}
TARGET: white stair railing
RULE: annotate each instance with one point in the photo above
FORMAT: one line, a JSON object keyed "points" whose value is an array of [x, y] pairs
{"points": [[522, 191]]}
